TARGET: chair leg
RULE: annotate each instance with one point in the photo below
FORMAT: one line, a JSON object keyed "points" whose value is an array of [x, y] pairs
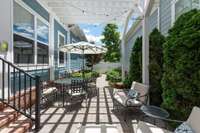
{"points": [[86, 101]]}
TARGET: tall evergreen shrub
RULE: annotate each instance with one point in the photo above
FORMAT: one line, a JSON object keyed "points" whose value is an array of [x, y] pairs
{"points": [[156, 41], [135, 69], [181, 78]]}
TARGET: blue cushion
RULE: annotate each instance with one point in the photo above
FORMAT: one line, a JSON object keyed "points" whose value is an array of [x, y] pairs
{"points": [[133, 93], [184, 128]]}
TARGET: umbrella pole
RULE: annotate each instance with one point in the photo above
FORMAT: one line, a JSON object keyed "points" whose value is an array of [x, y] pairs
{"points": [[83, 58]]}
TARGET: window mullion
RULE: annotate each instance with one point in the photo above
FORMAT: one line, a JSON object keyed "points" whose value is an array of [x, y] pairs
{"points": [[35, 39]]}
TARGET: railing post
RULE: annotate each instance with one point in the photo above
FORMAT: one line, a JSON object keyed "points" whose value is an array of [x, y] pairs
{"points": [[37, 104]]}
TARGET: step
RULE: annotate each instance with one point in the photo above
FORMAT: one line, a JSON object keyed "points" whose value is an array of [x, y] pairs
{"points": [[8, 115], [2, 106], [21, 125]]}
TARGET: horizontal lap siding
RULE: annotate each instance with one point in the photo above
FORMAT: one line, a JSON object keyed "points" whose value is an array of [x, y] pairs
{"points": [[165, 16], [129, 45], [58, 28], [43, 73], [37, 8], [153, 21]]}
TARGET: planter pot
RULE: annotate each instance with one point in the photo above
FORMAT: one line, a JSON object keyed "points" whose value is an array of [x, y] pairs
{"points": [[117, 85]]}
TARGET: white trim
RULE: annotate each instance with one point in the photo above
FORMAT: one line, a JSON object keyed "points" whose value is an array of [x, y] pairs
{"points": [[58, 46], [35, 40], [173, 12], [27, 37], [158, 18], [12, 33], [199, 4]]}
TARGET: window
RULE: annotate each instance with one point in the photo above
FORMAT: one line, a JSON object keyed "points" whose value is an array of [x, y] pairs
{"points": [[182, 6], [61, 42], [23, 21], [23, 50], [42, 53], [42, 43], [24, 37], [42, 32], [61, 57]]}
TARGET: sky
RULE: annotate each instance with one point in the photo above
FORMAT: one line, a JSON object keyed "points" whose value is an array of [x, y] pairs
{"points": [[93, 32]]}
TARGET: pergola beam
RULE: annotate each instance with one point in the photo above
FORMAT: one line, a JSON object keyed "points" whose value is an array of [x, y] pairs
{"points": [[92, 11]]}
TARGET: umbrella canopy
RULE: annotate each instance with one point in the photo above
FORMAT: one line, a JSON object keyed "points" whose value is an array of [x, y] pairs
{"points": [[82, 48]]}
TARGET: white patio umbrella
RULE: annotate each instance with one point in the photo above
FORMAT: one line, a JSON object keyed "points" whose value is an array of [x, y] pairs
{"points": [[83, 48]]}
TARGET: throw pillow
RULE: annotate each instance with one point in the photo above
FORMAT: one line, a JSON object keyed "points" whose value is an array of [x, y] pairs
{"points": [[184, 128], [133, 93]]}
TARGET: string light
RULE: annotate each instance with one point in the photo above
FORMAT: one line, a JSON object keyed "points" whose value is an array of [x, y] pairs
{"points": [[121, 14], [93, 13]]}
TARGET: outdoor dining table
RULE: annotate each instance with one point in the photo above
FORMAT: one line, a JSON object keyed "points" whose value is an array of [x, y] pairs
{"points": [[64, 85]]}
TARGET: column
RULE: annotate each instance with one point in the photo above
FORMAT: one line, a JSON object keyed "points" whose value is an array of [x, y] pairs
{"points": [[51, 48], [68, 54], [145, 52]]}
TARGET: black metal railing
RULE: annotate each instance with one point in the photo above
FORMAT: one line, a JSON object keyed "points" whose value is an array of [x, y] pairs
{"points": [[20, 91]]}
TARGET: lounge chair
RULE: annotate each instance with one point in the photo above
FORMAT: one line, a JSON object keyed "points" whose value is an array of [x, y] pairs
{"points": [[121, 97], [49, 92], [192, 121]]}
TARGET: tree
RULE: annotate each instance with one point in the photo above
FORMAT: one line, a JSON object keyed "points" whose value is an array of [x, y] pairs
{"points": [[112, 43], [156, 41], [93, 59], [135, 69], [181, 78]]}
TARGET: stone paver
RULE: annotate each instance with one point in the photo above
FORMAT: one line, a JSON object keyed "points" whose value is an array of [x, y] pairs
{"points": [[99, 111]]}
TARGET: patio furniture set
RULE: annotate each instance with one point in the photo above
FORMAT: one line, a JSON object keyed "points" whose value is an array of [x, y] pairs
{"points": [[137, 98], [71, 90], [78, 89]]}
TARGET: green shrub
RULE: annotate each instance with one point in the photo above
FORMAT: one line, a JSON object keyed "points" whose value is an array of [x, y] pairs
{"points": [[135, 69], [181, 78], [88, 74], [156, 40], [114, 75]]}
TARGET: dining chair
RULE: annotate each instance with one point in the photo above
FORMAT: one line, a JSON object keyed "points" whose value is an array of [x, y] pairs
{"points": [[78, 91]]}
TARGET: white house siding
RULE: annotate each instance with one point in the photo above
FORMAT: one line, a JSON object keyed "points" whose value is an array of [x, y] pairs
{"points": [[153, 20], [129, 45], [165, 16]]}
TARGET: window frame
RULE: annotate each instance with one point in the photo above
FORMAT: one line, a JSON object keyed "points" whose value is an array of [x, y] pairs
{"points": [[34, 39], [58, 46]]}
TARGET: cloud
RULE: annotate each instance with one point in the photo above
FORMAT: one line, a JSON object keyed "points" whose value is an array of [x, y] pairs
{"points": [[86, 31], [92, 38]]}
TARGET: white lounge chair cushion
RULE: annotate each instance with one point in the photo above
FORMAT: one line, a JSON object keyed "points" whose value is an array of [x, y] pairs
{"points": [[184, 128], [194, 120], [144, 127], [123, 99], [77, 93], [49, 90]]}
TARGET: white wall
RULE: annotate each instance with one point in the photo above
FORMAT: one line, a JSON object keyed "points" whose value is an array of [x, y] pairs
{"points": [[103, 67], [6, 12]]}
